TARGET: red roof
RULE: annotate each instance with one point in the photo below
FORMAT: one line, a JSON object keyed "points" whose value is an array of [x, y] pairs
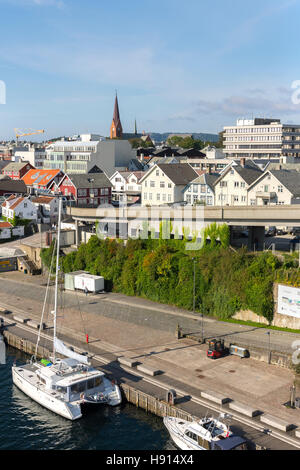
{"points": [[5, 225], [40, 177]]}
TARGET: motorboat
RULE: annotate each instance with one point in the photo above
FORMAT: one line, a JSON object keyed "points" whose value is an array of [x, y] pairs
{"points": [[64, 384], [205, 434]]}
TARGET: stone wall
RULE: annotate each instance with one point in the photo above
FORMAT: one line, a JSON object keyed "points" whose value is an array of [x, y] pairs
{"points": [[282, 321]]}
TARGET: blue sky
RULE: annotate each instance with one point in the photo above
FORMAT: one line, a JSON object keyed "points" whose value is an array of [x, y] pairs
{"points": [[178, 66]]}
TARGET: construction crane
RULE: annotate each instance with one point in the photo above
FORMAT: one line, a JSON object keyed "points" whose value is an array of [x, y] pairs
{"points": [[29, 132]]}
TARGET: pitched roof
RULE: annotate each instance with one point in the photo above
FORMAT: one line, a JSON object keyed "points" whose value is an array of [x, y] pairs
{"points": [[13, 201], [94, 180], [10, 186], [16, 166], [40, 177], [249, 172], [206, 178], [5, 225], [42, 199], [289, 179], [179, 173]]}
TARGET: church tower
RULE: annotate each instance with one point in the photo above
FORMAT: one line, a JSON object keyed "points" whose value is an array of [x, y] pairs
{"points": [[116, 130]]}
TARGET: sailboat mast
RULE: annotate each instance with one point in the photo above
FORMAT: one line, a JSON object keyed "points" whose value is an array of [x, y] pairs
{"points": [[56, 275]]}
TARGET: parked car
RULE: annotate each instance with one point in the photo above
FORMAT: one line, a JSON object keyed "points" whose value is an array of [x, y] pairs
{"points": [[271, 232], [295, 231]]}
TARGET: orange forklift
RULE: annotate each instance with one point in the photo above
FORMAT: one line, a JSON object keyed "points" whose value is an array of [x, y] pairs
{"points": [[216, 349]]}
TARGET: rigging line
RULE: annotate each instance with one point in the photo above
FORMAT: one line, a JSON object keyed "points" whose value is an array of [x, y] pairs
{"points": [[45, 301]]}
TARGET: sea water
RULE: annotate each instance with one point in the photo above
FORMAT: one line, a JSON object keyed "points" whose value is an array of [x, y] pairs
{"points": [[25, 425]]}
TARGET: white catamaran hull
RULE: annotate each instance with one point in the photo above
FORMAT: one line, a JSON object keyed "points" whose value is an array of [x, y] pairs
{"points": [[66, 410]]}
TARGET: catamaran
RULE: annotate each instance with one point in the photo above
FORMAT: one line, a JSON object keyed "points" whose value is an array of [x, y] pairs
{"points": [[64, 385], [204, 434]]}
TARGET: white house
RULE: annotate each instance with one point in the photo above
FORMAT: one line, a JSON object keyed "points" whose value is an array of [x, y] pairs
{"points": [[5, 230], [126, 186], [275, 187], [21, 207], [231, 188], [201, 189], [164, 183], [47, 207]]}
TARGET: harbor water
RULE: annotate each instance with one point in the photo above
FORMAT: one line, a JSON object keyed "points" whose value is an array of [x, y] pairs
{"points": [[25, 425]]}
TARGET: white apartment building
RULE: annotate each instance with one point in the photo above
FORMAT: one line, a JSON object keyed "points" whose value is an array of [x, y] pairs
{"points": [[81, 156], [261, 138]]}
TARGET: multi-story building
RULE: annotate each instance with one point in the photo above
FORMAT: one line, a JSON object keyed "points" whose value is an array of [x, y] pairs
{"points": [[81, 156], [41, 180], [261, 138]]}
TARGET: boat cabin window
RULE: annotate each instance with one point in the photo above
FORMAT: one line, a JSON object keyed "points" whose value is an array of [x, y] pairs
{"points": [[191, 435], [61, 389], [78, 387], [94, 382], [204, 443], [98, 381]]}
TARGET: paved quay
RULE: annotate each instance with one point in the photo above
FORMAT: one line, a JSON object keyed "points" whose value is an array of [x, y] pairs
{"points": [[116, 328]]}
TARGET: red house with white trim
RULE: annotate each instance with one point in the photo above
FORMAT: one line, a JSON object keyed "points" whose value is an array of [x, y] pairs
{"points": [[92, 189]]}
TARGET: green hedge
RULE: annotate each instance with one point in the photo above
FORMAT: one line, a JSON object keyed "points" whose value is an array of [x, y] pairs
{"points": [[163, 271]]}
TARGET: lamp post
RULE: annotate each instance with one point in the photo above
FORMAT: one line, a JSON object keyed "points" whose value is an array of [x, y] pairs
{"points": [[202, 328], [269, 353], [194, 285]]}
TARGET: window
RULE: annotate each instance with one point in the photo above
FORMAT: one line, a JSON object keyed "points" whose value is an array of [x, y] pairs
{"points": [[145, 196], [280, 189], [162, 184], [243, 184], [164, 197], [223, 184], [195, 188], [266, 188], [150, 196], [157, 172], [203, 188], [236, 184], [169, 197], [169, 185], [158, 197], [152, 184]]}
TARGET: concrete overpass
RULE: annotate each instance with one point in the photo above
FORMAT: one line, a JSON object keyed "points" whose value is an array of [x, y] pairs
{"points": [[131, 219]]}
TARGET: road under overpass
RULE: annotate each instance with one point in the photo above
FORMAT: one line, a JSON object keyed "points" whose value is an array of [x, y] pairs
{"points": [[131, 221]]}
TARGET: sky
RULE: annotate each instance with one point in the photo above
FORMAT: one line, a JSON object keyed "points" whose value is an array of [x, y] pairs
{"points": [[192, 66]]}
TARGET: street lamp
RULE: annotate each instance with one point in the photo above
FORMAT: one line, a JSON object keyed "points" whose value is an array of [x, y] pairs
{"points": [[194, 285], [269, 354]]}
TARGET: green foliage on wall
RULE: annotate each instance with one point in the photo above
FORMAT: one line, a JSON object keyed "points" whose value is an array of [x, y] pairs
{"points": [[162, 270]]}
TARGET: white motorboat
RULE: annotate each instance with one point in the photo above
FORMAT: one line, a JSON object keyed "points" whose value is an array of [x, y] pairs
{"points": [[64, 385], [205, 434]]}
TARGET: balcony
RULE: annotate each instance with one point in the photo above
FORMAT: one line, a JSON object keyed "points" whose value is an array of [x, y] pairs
{"points": [[266, 194]]}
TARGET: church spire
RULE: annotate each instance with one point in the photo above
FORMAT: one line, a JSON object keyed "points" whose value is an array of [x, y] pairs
{"points": [[116, 130]]}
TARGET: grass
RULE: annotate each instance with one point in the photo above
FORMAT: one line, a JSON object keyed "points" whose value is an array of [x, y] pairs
{"points": [[261, 325]]}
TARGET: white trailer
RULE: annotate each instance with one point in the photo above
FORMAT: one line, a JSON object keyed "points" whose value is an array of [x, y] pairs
{"points": [[90, 282]]}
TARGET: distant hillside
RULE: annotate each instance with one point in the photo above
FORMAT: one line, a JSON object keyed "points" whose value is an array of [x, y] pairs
{"points": [[200, 135]]}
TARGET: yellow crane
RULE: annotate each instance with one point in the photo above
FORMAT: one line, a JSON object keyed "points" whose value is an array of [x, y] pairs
{"points": [[29, 132]]}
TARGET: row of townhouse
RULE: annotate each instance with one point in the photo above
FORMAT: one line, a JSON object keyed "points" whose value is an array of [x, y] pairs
{"points": [[241, 183], [126, 186]]}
